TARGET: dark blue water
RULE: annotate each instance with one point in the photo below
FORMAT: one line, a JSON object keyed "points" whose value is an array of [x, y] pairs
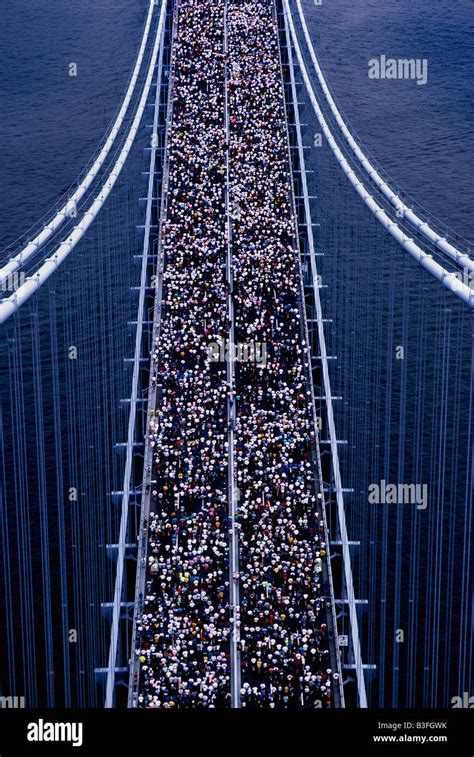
{"points": [[51, 123], [422, 135]]}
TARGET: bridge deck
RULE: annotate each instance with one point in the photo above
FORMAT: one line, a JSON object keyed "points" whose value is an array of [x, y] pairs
{"points": [[233, 440]]}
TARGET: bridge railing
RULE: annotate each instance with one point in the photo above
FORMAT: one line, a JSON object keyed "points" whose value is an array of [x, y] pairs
{"points": [[134, 674], [299, 162]]}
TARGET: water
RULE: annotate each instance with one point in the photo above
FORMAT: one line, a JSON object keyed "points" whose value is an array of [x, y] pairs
{"points": [[51, 123], [422, 135]]}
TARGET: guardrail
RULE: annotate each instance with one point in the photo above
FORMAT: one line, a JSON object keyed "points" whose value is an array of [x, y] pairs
{"points": [[322, 343], [134, 680], [114, 633]]}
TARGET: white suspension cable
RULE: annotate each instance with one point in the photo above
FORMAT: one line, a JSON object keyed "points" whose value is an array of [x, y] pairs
{"points": [[449, 279], [402, 209], [70, 208], [33, 283]]}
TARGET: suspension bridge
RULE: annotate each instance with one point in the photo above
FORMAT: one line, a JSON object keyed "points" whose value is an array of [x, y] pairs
{"points": [[384, 298]]}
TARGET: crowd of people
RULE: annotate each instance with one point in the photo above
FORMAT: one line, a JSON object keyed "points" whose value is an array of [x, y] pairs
{"points": [[184, 630], [285, 652]]}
